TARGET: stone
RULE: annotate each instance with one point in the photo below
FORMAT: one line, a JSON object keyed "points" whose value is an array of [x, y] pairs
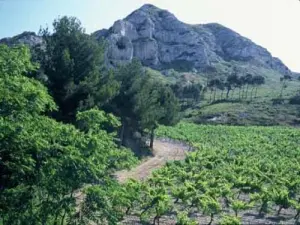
{"points": [[157, 38], [27, 38]]}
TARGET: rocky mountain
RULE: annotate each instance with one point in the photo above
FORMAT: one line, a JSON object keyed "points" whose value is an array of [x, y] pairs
{"points": [[157, 38], [161, 41], [27, 38], [297, 75]]}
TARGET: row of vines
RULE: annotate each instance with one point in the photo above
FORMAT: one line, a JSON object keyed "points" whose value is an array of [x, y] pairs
{"points": [[233, 172]]}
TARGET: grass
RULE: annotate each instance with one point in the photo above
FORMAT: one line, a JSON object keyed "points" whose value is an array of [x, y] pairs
{"points": [[240, 113], [258, 111]]}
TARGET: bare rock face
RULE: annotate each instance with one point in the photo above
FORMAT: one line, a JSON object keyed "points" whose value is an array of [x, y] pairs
{"points": [[160, 40], [233, 46], [26, 38]]}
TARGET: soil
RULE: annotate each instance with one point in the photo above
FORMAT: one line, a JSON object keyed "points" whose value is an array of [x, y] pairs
{"points": [[164, 150]]}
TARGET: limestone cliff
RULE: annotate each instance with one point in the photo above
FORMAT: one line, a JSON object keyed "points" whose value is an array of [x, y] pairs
{"points": [[160, 40]]}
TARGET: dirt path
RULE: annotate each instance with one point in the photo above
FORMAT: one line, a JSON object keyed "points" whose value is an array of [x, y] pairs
{"points": [[163, 151]]}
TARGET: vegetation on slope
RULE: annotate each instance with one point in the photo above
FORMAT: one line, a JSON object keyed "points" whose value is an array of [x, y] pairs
{"points": [[247, 102]]}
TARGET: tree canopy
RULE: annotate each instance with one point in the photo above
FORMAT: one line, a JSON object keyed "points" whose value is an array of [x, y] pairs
{"points": [[44, 162], [72, 61]]}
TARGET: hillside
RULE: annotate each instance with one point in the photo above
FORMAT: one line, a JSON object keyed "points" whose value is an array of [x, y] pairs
{"points": [[111, 128], [157, 38], [198, 53], [161, 41]]}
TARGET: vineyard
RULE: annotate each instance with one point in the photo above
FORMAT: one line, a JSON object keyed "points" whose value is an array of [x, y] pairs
{"points": [[235, 175]]}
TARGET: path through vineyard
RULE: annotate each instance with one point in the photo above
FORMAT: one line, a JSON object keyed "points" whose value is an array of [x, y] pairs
{"points": [[164, 150]]}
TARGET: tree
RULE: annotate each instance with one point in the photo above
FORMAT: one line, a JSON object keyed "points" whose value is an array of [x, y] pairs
{"points": [[15, 60], [231, 82], [142, 102], [258, 80], [221, 86], [248, 82], [72, 61], [19, 93], [155, 104], [44, 162], [188, 94], [242, 83], [122, 104], [213, 85]]}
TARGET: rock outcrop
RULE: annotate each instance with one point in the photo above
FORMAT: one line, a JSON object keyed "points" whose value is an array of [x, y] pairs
{"points": [[157, 38], [27, 38], [160, 40]]}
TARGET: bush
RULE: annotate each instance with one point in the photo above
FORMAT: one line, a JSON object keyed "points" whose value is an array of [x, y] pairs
{"points": [[183, 219], [230, 220]]}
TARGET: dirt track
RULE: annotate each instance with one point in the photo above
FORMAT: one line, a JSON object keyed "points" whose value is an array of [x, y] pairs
{"points": [[163, 151]]}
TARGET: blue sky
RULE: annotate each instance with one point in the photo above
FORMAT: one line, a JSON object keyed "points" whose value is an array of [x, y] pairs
{"points": [[273, 24], [28, 15]]}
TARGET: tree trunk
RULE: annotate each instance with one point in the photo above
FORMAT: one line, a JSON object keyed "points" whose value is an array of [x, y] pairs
{"points": [[63, 218], [122, 134], [255, 92], [251, 93], [263, 208], [154, 220], [227, 94], [279, 210], [243, 91], [247, 90], [210, 95], [215, 94], [151, 138], [56, 218], [211, 219], [127, 210]]}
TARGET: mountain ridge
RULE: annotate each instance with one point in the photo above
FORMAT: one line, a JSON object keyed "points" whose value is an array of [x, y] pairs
{"points": [[157, 38], [160, 40]]}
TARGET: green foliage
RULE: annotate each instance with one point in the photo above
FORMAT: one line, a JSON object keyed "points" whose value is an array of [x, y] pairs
{"points": [[15, 60], [17, 92], [44, 163], [103, 204], [142, 102], [230, 220], [72, 60], [228, 162], [155, 104], [95, 121], [183, 219], [238, 205]]}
